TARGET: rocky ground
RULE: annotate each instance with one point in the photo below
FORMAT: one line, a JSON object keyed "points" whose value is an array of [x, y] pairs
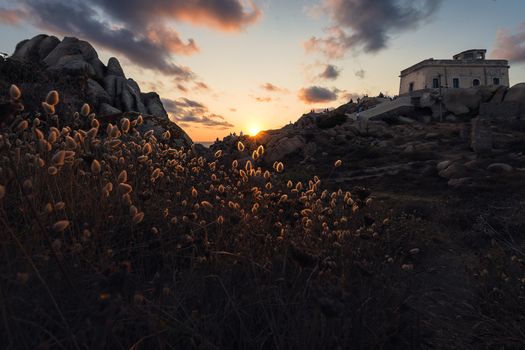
{"points": [[461, 181]]}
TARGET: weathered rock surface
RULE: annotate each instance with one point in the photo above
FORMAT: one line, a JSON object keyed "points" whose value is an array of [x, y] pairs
{"points": [[516, 93], [154, 105], [278, 149], [114, 68], [500, 167], [105, 88], [96, 94]]}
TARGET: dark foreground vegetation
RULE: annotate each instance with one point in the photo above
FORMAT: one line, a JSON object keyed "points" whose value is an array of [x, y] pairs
{"points": [[113, 239]]}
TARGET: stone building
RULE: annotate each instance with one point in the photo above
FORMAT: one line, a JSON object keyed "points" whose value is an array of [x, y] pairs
{"points": [[466, 69]]}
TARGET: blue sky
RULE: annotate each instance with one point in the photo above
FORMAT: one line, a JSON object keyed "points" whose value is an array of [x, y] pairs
{"points": [[235, 63]]}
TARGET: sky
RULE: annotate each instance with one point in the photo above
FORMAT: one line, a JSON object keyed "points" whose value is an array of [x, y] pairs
{"points": [[223, 66]]}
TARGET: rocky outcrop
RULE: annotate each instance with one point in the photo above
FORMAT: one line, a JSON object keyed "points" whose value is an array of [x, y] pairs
{"points": [[280, 148], [105, 85], [35, 49], [461, 102], [114, 68], [516, 93], [154, 105], [107, 89]]}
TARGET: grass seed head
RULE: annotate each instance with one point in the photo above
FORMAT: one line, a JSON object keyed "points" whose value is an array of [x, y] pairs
{"points": [[240, 146], [49, 109], [123, 176], [85, 110], [95, 166], [52, 170], [22, 126], [14, 92], [137, 219], [52, 98], [124, 188], [60, 226]]}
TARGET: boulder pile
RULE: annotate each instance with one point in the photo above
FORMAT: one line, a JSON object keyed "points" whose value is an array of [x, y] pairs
{"points": [[105, 87]]}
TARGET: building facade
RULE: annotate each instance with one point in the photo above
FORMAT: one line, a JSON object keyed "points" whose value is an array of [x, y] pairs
{"points": [[466, 69]]}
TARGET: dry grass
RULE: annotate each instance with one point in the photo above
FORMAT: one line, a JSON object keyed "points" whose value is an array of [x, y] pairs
{"points": [[114, 239]]}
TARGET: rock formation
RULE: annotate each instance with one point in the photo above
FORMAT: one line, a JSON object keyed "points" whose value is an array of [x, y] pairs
{"points": [[104, 87]]}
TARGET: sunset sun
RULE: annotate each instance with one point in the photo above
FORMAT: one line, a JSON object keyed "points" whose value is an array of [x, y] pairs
{"points": [[254, 129]]}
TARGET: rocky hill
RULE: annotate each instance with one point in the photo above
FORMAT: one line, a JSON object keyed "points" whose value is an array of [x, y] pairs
{"points": [[475, 143], [73, 68]]}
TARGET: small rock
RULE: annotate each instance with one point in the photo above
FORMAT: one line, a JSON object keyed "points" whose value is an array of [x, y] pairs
{"points": [[443, 165], [405, 120], [454, 171], [459, 182], [432, 135], [500, 167]]}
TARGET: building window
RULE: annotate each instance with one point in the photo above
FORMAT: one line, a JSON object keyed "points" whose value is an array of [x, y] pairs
{"points": [[495, 81], [475, 82], [455, 83], [435, 83], [411, 87]]}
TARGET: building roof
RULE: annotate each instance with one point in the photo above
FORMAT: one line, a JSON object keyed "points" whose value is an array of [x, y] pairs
{"points": [[458, 61], [454, 63], [461, 54]]}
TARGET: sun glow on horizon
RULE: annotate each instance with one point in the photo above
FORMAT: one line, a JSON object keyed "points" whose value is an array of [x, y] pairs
{"points": [[254, 129]]}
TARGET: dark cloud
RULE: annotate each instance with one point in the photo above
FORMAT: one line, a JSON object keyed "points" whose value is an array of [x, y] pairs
{"points": [[201, 86], [272, 88], [140, 30], [360, 73], [317, 94], [262, 98], [347, 96], [510, 46], [229, 15], [192, 104], [330, 72], [368, 24], [182, 88], [210, 121], [190, 113]]}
